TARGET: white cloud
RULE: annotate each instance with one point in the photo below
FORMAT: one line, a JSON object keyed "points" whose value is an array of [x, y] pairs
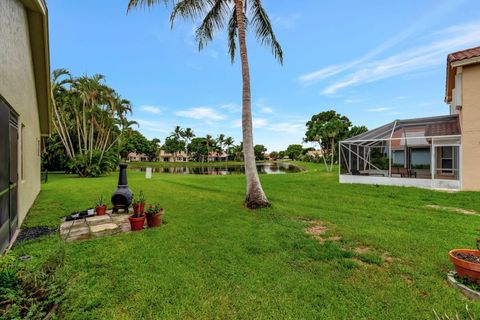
{"points": [[329, 71], [200, 113], [286, 22], [232, 107], [154, 126], [352, 101], [382, 109], [151, 109], [323, 73], [262, 105], [287, 127], [259, 122], [411, 60]]}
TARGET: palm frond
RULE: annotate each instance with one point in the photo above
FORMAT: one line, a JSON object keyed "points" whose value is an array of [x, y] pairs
{"points": [[263, 29], [189, 9], [214, 20], [232, 35], [142, 3]]}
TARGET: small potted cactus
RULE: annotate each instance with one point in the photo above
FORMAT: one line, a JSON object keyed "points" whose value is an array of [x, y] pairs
{"points": [[100, 206], [154, 215], [139, 204]]}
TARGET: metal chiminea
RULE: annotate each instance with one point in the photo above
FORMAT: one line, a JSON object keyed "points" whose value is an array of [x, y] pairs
{"points": [[123, 196]]}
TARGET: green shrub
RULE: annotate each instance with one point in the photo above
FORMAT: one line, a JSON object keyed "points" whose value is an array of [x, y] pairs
{"points": [[96, 165]]}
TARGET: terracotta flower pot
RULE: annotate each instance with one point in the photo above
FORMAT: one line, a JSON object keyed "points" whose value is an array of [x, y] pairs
{"points": [[101, 210], [138, 208], [155, 220], [137, 223], [465, 268]]}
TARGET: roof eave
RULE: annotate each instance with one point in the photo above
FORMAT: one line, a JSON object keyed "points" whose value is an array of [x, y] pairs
{"points": [[451, 72], [37, 15]]}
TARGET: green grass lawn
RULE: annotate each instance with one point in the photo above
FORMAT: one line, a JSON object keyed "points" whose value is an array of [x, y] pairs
{"points": [[216, 260]]}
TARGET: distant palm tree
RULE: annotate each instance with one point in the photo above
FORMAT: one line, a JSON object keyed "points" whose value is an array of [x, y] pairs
{"points": [[188, 135], [229, 143], [220, 142], [209, 141], [215, 15], [177, 132]]}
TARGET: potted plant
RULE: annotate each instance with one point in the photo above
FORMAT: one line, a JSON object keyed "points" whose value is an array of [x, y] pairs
{"points": [[154, 215], [139, 204], [100, 207], [137, 221], [467, 263]]}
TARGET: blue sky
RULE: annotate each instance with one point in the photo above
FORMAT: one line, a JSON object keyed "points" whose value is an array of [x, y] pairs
{"points": [[373, 61]]}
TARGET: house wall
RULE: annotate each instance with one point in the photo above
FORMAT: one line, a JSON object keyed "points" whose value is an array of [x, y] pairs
{"points": [[17, 86], [470, 123]]}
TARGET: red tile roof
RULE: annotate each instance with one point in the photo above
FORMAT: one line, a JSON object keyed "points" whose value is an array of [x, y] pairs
{"points": [[451, 71], [446, 127], [464, 54]]}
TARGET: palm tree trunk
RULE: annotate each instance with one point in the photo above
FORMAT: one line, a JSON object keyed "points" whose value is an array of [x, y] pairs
{"points": [[255, 196], [323, 155], [333, 154]]}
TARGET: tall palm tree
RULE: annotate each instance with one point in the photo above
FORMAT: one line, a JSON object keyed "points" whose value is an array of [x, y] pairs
{"points": [[215, 15]]}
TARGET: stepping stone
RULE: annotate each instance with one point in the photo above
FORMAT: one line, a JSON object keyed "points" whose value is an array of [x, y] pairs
{"points": [[79, 230], [120, 218], [67, 234], [96, 220], [66, 225], [104, 229], [79, 237], [125, 227]]}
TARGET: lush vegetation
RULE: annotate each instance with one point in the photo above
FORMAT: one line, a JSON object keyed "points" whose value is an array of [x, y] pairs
{"points": [[136, 142], [387, 257], [90, 121]]}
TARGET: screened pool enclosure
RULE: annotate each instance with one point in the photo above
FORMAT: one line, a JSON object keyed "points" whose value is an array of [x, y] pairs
{"points": [[422, 152]]}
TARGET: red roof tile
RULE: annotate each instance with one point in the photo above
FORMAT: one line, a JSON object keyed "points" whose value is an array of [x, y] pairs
{"points": [[464, 54], [444, 128]]}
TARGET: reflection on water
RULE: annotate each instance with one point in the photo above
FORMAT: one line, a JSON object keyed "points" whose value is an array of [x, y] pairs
{"points": [[219, 169]]}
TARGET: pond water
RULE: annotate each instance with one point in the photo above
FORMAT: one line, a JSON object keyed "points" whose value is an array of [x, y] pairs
{"points": [[219, 169]]}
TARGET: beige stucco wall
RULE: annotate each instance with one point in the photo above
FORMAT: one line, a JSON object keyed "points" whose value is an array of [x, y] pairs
{"points": [[470, 123], [17, 86]]}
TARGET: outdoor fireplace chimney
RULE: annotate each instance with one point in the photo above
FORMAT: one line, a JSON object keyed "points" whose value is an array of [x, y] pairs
{"points": [[123, 196]]}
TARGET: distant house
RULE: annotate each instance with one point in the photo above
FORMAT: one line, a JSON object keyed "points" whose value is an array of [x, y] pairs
{"points": [[315, 153], [170, 157], [24, 108], [217, 156], [137, 157], [435, 152]]}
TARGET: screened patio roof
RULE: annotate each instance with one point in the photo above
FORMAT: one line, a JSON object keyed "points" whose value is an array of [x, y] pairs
{"points": [[440, 126]]}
